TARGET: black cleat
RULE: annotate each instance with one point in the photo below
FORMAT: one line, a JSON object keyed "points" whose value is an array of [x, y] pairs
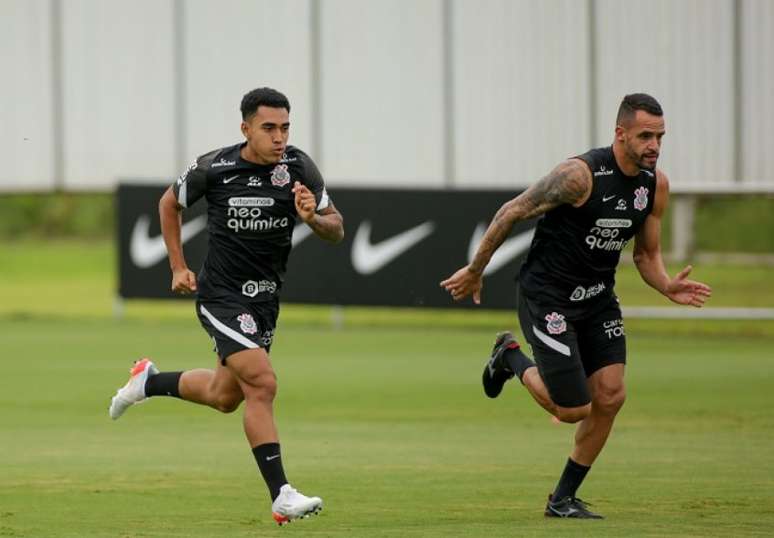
{"points": [[496, 370], [569, 507]]}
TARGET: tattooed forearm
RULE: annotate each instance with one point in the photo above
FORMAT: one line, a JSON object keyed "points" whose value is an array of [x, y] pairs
{"points": [[328, 225], [568, 183]]}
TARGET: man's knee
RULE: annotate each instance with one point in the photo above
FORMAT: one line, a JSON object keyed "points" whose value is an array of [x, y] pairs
{"points": [[261, 385], [609, 399], [573, 414], [228, 403]]}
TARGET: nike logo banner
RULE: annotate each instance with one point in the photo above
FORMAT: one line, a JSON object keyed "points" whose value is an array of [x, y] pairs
{"points": [[398, 246], [147, 251], [368, 258]]}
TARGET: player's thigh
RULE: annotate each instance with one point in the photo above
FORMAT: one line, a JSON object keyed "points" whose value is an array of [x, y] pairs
{"points": [[555, 349], [602, 339], [225, 383], [254, 373]]}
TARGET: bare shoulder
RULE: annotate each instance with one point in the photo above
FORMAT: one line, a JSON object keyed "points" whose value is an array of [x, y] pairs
{"points": [[662, 193], [662, 181], [568, 183]]}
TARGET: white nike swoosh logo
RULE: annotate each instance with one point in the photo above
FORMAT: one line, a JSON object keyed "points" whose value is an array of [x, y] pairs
{"points": [[368, 259], [274, 457], [567, 513], [300, 232], [146, 251], [509, 250], [606, 198], [229, 180]]}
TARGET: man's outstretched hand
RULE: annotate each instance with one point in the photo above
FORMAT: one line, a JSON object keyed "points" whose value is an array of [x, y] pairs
{"points": [[687, 292], [463, 283]]}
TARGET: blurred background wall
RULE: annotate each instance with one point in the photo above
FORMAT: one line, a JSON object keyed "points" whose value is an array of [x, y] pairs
{"points": [[426, 93]]}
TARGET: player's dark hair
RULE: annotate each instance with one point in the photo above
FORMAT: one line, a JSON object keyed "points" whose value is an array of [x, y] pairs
{"points": [[634, 102], [262, 97]]}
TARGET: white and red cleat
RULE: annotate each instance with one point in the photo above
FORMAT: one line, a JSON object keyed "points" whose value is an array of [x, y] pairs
{"points": [[134, 390], [290, 505]]}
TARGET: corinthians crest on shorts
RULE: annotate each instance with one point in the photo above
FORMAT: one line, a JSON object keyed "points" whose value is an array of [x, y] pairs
{"points": [[247, 324], [280, 175], [556, 323]]}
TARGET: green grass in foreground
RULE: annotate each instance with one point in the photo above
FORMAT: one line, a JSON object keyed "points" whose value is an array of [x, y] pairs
{"points": [[389, 425], [384, 418]]}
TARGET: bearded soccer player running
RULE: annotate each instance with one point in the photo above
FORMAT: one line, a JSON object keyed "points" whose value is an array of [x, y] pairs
{"points": [[592, 205], [255, 190]]}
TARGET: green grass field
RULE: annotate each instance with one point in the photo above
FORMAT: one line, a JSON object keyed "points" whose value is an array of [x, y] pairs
{"points": [[384, 418]]}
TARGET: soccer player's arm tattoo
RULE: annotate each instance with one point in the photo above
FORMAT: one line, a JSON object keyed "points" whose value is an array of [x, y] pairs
{"points": [[568, 183], [328, 224]]}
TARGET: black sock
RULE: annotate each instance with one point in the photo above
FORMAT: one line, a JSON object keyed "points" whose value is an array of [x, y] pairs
{"points": [[270, 463], [163, 384], [571, 479], [517, 361]]}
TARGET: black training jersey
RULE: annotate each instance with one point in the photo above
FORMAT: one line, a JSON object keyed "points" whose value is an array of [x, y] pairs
{"points": [[575, 251], [250, 218]]}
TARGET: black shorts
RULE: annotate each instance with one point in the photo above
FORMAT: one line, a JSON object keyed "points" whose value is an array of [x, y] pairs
{"points": [[237, 325], [567, 350]]}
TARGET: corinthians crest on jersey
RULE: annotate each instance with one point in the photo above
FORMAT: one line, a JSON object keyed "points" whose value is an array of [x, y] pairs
{"points": [[280, 175]]}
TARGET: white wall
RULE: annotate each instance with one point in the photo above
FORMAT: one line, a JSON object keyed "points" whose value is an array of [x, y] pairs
{"points": [[233, 46], [141, 100], [681, 56], [26, 98], [758, 90], [118, 90], [381, 82], [521, 89]]}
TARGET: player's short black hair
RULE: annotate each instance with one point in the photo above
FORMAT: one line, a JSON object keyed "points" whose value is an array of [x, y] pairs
{"points": [[634, 102], [262, 97]]}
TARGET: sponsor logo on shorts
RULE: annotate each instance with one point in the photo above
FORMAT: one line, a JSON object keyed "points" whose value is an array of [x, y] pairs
{"points": [[247, 324], [556, 323], [581, 294], [280, 175], [614, 328], [267, 338], [640, 198], [251, 288]]}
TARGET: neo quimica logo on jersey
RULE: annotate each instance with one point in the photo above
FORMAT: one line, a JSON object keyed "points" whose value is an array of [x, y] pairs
{"points": [[604, 235], [248, 219]]}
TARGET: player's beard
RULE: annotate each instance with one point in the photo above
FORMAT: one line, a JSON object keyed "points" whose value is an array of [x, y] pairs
{"points": [[650, 165], [640, 158]]}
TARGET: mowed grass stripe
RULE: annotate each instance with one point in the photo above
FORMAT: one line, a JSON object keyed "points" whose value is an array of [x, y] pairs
{"points": [[388, 425]]}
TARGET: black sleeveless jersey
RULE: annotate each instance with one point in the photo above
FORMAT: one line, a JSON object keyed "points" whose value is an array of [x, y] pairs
{"points": [[251, 214], [575, 251]]}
